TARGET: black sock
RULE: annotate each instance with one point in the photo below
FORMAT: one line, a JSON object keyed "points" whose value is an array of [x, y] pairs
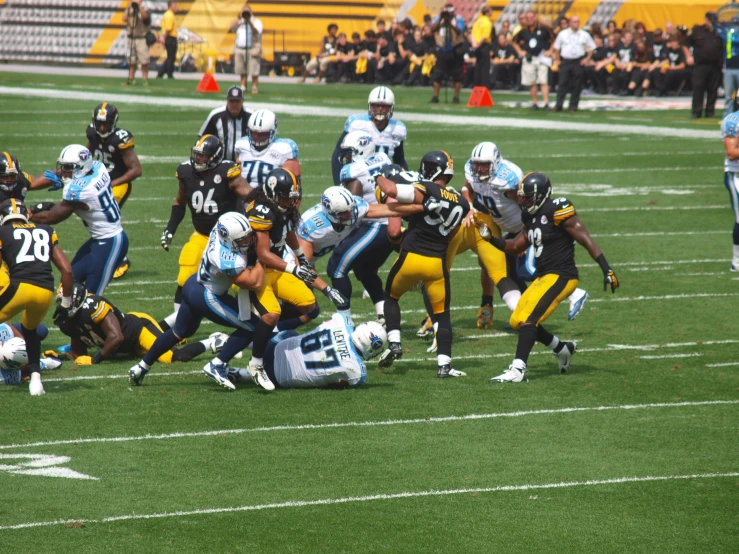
{"points": [[33, 348], [735, 234], [486, 300], [526, 339], [163, 343], [289, 324], [237, 342], [444, 334], [392, 313], [262, 334], [344, 286], [427, 304], [188, 352], [545, 337]]}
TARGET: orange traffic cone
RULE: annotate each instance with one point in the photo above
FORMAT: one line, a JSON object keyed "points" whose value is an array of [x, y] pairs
{"points": [[480, 98], [208, 84]]}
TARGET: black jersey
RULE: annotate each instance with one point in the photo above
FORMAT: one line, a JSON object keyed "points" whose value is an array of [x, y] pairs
{"points": [[86, 325], [263, 218], [26, 248], [109, 150], [20, 190], [553, 246], [209, 195], [429, 233]]}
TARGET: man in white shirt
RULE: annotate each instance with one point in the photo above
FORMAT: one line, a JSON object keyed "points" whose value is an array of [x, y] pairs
{"points": [[574, 48], [248, 47]]}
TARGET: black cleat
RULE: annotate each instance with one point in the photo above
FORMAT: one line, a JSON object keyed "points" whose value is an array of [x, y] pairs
{"points": [[394, 352]]}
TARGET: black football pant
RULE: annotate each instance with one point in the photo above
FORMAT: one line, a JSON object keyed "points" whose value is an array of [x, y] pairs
{"points": [[706, 78], [170, 44], [571, 79], [482, 66]]}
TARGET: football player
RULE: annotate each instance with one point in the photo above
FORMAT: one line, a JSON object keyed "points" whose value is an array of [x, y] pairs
{"points": [[93, 321], [388, 134], [87, 193], [549, 226], [260, 151], [29, 249], [114, 147], [730, 134], [332, 355], [226, 262], [14, 357], [210, 186], [422, 252], [14, 182], [366, 249]]}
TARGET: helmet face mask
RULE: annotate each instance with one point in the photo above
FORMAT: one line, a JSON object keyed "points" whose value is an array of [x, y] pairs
{"points": [[485, 161], [9, 171], [207, 153], [282, 187], [481, 170], [261, 129], [380, 104], [105, 119], [533, 192], [13, 210], [74, 162]]}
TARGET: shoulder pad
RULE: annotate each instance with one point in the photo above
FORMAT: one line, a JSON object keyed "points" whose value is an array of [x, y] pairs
{"points": [[293, 148], [233, 169], [352, 119], [729, 125], [183, 170], [399, 131], [261, 217], [563, 209], [96, 308], [124, 139]]}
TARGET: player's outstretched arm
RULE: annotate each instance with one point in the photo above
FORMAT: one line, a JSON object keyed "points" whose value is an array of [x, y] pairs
{"points": [[113, 338], [133, 165], [580, 233], [240, 186], [251, 278], [393, 209], [59, 212], [515, 246], [265, 254], [307, 248]]}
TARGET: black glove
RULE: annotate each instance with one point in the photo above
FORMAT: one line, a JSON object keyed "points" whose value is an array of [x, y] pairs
{"points": [[40, 207], [305, 274], [609, 278], [60, 315], [166, 239], [337, 298], [303, 260]]}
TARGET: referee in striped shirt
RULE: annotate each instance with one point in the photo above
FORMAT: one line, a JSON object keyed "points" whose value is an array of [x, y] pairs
{"points": [[228, 122], [574, 48]]}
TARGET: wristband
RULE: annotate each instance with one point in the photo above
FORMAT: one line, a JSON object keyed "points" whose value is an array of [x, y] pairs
{"points": [[175, 218], [99, 357], [290, 268], [298, 252], [66, 301], [603, 263], [405, 193]]}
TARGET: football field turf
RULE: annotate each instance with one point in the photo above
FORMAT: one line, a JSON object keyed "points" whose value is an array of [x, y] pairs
{"points": [[635, 450]]}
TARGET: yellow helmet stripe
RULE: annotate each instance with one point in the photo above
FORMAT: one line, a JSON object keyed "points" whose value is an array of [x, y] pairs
{"points": [[202, 140], [8, 157], [15, 206]]}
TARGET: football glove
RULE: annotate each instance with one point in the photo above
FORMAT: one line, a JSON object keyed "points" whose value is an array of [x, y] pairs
{"points": [[337, 298], [303, 260], [305, 273], [40, 207], [60, 315], [50, 354], [166, 239], [56, 181], [431, 204], [610, 278], [484, 231], [83, 360]]}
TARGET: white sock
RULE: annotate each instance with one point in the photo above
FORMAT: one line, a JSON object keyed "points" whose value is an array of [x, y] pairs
{"points": [[436, 327], [511, 299], [217, 361], [143, 364], [394, 335], [171, 318], [554, 344], [347, 313], [736, 254], [519, 364], [256, 361], [208, 343], [380, 307], [441, 359]]}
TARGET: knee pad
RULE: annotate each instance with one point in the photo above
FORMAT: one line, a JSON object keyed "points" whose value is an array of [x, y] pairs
{"points": [[313, 314]]}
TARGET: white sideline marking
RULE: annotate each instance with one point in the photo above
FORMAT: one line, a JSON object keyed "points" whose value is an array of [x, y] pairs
{"points": [[483, 336], [416, 117], [660, 234], [316, 426], [390, 496], [691, 355], [725, 364]]}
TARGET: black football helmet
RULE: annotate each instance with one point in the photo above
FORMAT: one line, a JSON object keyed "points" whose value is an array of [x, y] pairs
{"points": [[105, 119], [207, 153], [283, 188], [10, 169], [13, 210], [79, 295], [533, 191], [436, 163]]}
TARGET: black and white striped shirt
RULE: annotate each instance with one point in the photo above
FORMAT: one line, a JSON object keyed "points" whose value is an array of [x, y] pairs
{"points": [[228, 129]]}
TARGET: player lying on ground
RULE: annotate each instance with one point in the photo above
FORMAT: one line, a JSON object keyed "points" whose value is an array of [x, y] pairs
{"points": [[14, 357]]}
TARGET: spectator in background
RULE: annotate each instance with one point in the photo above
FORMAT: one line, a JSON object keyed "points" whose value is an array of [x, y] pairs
{"points": [[729, 34], [385, 60], [574, 48], [505, 30], [419, 52], [248, 48], [672, 70], [596, 69], [346, 55], [596, 31], [611, 28], [382, 30], [169, 38], [708, 53], [326, 50], [138, 23], [669, 29], [624, 60], [640, 33], [480, 40], [506, 65], [658, 41], [228, 122], [532, 43], [564, 23], [448, 31], [522, 22], [640, 67]]}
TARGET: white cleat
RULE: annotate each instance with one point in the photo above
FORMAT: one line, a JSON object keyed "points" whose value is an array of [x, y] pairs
{"points": [[511, 375], [577, 301], [259, 376], [50, 363], [35, 387], [219, 373], [564, 357], [365, 294], [136, 375], [427, 328], [217, 340]]}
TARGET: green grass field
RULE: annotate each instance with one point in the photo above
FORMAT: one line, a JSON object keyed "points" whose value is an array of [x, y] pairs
{"points": [[635, 450]]}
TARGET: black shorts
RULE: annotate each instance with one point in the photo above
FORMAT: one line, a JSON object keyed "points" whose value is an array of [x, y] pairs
{"points": [[450, 65]]}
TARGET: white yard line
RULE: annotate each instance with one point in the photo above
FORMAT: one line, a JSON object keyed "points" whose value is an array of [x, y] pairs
{"points": [[725, 364], [319, 426], [415, 117], [667, 356], [375, 497]]}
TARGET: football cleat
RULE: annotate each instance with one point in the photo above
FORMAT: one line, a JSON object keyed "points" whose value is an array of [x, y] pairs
{"points": [[121, 270], [50, 363], [511, 375], [577, 301], [238, 375], [427, 327], [564, 356], [381, 319], [219, 373], [485, 317], [259, 376], [447, 371], [734, 267], [365, 295], [217, 340], [394, 352], [136, 375], [35, 387]]}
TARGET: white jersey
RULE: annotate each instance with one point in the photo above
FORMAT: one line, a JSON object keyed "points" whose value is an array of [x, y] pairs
{"points": [[365, 172], [256, 164], [490, 196], [386, 140], [218, 264], [316, 228], [103, 218], [730, 128], [323, 357], [6, 332]]}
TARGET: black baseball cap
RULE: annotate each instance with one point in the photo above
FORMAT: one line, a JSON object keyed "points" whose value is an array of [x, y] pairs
{"points": [[235, 93]]}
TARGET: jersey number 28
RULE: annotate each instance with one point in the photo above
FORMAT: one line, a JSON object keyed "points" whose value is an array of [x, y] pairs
{"points": [[39, 238]]}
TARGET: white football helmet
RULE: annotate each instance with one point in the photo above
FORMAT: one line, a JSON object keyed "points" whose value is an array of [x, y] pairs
{"points": [[13, 354], [337, 201], [370, 339], [381, 104], [356, 146], [485, 160], [261, 129], [74, 162], [234, 232]]}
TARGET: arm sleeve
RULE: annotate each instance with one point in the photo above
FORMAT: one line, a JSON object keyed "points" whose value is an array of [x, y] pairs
{"points": [[335, 164], [399, 156]]}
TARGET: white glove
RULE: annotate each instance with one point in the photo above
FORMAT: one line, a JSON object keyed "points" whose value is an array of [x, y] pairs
{"points": [[35, 387]]}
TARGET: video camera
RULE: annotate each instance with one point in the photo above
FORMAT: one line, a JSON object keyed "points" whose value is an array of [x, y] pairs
{"points": [[447, 13], [246, 15]]}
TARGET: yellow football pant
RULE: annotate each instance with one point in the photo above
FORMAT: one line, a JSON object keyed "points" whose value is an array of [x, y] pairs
{"points": [[148, 336], [468, 238], [32, 300], [411, 268], [121, 193], [190, 257], [542, 297], [286, 287]]}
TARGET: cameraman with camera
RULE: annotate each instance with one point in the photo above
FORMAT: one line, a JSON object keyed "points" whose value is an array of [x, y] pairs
{"points": [[448, 31], [138, 24], [248, 47]]}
